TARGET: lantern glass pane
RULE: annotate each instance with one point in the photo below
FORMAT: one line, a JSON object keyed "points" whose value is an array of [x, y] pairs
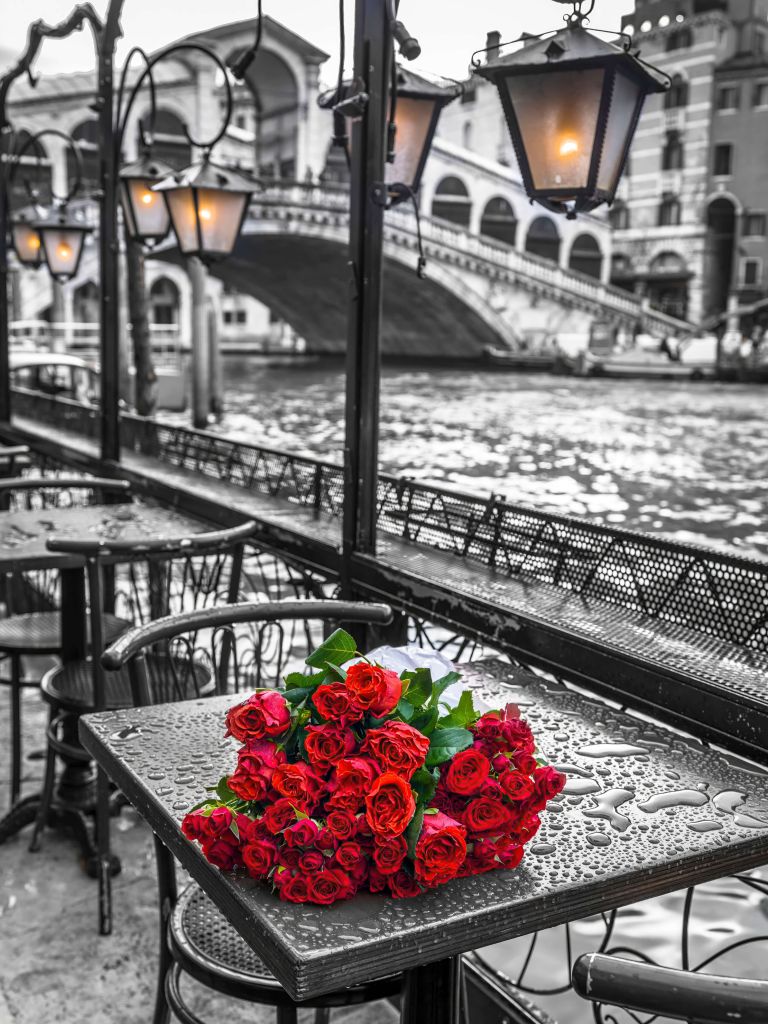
{"points": [[28, 246], [621, 121], [414, 120], [62, 250], [146, 212], [181, 204], [557, 112], [221, 214]]}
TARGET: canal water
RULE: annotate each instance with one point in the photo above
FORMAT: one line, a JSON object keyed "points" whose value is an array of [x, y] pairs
{"points": [[686, 460]]}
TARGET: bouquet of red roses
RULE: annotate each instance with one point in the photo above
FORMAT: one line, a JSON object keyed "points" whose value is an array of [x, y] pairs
{"points": [[359, 779]]}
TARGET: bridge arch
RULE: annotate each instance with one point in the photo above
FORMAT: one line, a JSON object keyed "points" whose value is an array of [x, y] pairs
{"points": [[452, 202], [543, 239], [586, 256], [499, 221]]}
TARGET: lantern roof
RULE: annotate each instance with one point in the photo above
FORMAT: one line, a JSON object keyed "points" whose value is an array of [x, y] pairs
{"points": [[422, 87], [61, 218], [147, 167], [572, 47], [208, 175]]}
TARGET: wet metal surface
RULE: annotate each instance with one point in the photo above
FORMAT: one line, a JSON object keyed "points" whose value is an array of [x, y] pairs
{"points": [[594, 851]]}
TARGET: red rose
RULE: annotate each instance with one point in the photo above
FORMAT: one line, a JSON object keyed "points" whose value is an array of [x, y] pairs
{"points": [[295, 889], [403, 885], [548, 783], [355, 775], [372, 688], [289, 857], [516, 785], [326, 840], [484, 852], [264, 714], [334, 704], [441, 849], [349, 855], [389, 806], [196, 826], [509, 853], [389, 854], [398, 748], [256, 763], [486, 817], [299, 783], [311, 861], [329, 885], [259, 858], [488, 731], [524, 831], [449, 803], [525, 763], [377, 882], [492, 789], [220, 821], [467, 772], [301, 833], [517, 736], [342, 825], [279, 815], [327, 744], [223, 853]]}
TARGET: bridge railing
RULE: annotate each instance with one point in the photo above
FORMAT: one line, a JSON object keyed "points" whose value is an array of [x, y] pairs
{"points": [[715, 593]]}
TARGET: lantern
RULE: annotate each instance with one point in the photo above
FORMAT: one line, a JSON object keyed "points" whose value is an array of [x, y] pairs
{"points": [[27, 242], [418, 109], [146, 213], [207, 205], [62, 239], [572, 103]]}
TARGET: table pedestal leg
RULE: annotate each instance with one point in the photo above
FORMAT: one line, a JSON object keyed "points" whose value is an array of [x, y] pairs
{"points": [[433, 993]]}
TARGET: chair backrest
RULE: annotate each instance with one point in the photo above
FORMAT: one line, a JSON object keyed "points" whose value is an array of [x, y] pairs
{"points": [[36, 492], [145, 580], [230, 639]]}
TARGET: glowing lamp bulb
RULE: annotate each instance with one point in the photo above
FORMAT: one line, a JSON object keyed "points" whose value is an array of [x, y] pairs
{"points": [[569, 147], [147, 198], [205, 213], [34, 242], [64, 251]]}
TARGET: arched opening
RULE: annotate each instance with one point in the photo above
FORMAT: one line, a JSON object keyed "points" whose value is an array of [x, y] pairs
{"points": [[677, 94], [618, 216], [85, 303], [452, 202], [499, 221], [586, 256], [543, 239], [670, 211], [33, 172], [668, 279], [164, 302], [170, 141], [622, 272], [673, 154], [273, 92], [87, 137], [721, 239]]}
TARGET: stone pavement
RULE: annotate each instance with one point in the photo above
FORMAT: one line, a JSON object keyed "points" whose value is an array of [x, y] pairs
{"points": [[54, 966]]}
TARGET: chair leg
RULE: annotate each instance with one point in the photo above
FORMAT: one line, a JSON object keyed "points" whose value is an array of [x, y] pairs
{"points": [[287, 1015], [46, 796], [103, 853], [167, 895], [15, 727], [323, 1015]]}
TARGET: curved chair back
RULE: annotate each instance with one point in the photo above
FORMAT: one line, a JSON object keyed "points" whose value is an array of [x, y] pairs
{"points": [[34, 492], [213, 635]]}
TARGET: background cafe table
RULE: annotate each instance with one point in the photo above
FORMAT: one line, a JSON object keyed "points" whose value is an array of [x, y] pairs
{"points": [[645, 812]]}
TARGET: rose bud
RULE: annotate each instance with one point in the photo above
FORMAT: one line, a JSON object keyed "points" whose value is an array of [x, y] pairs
{"points": [[222, 853], [440, 850], [311, 861], [403, 885], [389, 806], [289, 857], [467, 773], [334, 703], [301, 833], [327, 744], [264, 714], [326, 841], [501, 763], [349, 855], [259, 858], [377, 882], [509, 854], [525, 763], [398, 748], [485, 816], [196, 826], [295, 889], [389, 854], [488, 730], [516, 786], [220, 821], [342, 825], [373, 689], [330, 885]]}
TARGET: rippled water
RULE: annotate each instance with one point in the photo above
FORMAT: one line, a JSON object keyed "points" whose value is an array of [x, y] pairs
{"points": [[688, 460]]}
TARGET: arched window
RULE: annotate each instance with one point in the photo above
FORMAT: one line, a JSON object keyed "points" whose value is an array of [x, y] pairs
{"points": [[170, 143], [673, 154], [586, 256], [164, 302], [680, 39], [669, 211], [499, 221], [667, 263], [543, 239], [677, 94], [452, 202], [87, 137], [34, 169], [618, 216]]}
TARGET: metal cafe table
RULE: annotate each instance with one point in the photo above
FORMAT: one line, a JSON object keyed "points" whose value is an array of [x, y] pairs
{"points": [[23, 549], [645, 812]]}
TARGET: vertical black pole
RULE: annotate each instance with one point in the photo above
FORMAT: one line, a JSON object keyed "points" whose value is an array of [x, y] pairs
{"points": [[5, 374], [108, 242], [373, 49], [433, 993]]}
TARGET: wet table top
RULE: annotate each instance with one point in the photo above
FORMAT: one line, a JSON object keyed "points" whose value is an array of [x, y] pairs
{"points": [[645, 812], [23, 535]]}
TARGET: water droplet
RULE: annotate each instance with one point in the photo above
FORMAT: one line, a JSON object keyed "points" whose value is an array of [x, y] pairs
{"points": [[599, 839], [126, 732], [611, 750], [581, 787], [707, 825], [606, 807], [542, 849], [677, 798], [729, 801]]}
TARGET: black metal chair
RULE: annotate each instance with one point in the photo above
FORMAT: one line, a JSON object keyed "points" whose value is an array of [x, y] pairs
{"points": [[639, 987], [196, 940], [147, 579], [32, 634]]}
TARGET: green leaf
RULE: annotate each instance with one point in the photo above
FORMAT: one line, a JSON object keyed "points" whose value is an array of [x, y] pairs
{"points": [[426, 721], [413, 831], [223, 791], [298, 681], [424, 784], [463, 714], [405, 709], [445, 743], [234, 829], [296, 696], [204, 803], [441, 686], [419, 688], [338, 648], [338, 675]]}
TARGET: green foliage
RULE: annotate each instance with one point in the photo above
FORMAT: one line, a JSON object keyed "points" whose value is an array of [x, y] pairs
{"points": [[426, 721], [338, 648], [413, 831], [424, 784], [299, 695], [417, 686], [462, 715], [446, 743], [224, 793], [405, 709], [439, 688]]}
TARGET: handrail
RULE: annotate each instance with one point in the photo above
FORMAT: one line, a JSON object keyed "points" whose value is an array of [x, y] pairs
{"points": [[193, 543]]}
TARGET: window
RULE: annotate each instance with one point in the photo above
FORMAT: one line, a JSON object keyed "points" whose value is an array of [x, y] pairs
{"points": [[680, 39], [288, 169], [755, 225], [751, 271], [669, 211], [466, 135], [760, 95], [728, 97], [724, 160], [227, 316], [240, 121], [618, 215], [241, 317], [672, 158], [470, 94], [677, 95]]}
